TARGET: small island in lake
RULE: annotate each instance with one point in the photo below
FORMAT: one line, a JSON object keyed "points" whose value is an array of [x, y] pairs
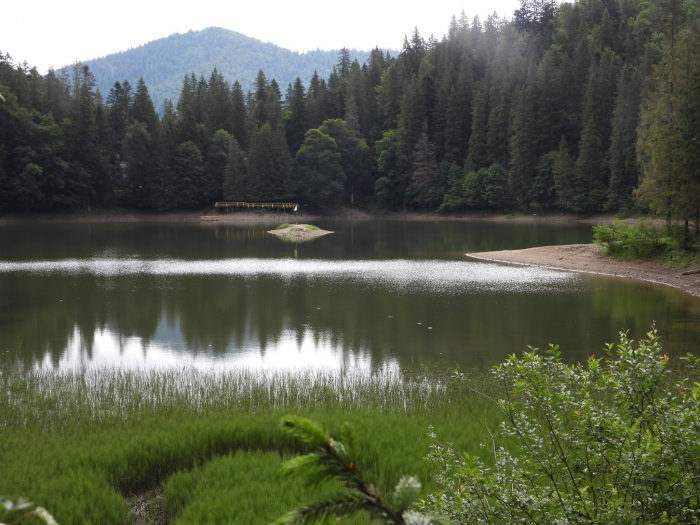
{"points": [[298, 232]]}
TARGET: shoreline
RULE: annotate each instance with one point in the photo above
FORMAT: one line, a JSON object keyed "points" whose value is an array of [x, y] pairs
{"points": [[589, 258], [346, 213]]}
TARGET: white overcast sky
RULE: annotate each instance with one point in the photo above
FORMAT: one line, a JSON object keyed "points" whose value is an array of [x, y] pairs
{"points": [[57, 32]]}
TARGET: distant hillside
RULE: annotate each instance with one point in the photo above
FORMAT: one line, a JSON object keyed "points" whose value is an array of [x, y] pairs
{"points": [[164, 62]]}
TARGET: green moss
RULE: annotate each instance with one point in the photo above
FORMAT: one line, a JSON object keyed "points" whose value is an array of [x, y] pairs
{"points": [[311, 227], [282, 226]]}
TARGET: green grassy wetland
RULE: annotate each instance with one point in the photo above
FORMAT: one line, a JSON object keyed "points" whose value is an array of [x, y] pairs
{"points": [[82, 443]]}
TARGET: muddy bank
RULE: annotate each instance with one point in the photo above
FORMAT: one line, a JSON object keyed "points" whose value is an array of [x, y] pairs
{"points": [[589, 258]]}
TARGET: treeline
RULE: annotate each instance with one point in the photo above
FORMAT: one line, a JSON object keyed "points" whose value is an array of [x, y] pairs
{"points": [[566, 107]]}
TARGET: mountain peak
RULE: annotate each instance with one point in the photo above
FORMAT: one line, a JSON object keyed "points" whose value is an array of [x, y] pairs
{"points": [[164, 62]]}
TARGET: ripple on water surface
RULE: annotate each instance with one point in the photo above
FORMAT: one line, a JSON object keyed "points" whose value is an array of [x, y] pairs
{"points": [[425, 275]]}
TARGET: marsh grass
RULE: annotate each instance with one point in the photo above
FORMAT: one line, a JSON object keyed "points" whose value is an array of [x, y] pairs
{"points": [[78, 442], [311, 227], [282, 226]]}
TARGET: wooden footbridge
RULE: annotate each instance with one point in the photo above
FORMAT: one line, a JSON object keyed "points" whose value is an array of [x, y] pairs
{"points": [[283, 205]]}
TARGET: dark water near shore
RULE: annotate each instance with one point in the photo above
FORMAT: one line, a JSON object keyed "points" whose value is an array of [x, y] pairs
{"points": [[372, 295]]}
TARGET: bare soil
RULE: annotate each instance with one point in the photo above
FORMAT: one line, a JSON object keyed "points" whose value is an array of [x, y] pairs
{"points": [[589, 258]]}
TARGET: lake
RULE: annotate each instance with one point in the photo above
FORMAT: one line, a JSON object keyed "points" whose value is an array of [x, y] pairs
{"points": [[374, 295]]}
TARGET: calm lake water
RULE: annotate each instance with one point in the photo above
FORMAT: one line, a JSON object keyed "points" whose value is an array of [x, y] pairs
{"points": [[373, 295]]}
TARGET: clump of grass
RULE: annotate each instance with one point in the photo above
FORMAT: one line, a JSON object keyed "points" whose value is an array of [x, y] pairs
{"points": [[77, 442], [311, 227], [281, 226]]}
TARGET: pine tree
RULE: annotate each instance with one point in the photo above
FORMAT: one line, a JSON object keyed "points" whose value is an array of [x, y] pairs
{"points": [[424, 166], [234, 185], [344, 63], [478, 156], [219, 110], [215, 163], [188, 171], [624, 171], [269, 166], [298, 121], [595, 135], [185, 111], [522, 147], [565, 179], [239, 116]]}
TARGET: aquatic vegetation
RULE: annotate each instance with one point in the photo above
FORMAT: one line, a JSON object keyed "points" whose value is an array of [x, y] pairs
{"points": [[282, 226], [76, 442], [311, 227]]}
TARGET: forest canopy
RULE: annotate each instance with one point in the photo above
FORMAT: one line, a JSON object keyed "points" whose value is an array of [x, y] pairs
{"points": [[582, 107]]}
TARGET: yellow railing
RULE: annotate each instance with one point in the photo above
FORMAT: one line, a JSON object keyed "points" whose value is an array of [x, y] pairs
{"points": [[255, 205]]}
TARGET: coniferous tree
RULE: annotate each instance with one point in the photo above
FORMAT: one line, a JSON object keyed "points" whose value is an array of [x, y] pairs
{"points": [[424, 168], [235, 178], [269, 166], [593, 170], [188, 171], [215, 162], [239, 115], [478, 156], [624, 171], [297, 123], [566, 180], [522, 148]]}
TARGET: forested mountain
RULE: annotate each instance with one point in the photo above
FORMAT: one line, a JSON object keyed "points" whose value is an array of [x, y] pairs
{"points": [[584, 107], [163, 62]]}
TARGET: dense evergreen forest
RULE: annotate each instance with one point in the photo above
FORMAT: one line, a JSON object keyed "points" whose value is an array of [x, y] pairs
{"points": [[162, 62], [583, 107]]}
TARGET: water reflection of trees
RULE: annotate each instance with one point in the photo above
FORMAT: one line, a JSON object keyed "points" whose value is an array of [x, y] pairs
{"points": [[218, 314]]}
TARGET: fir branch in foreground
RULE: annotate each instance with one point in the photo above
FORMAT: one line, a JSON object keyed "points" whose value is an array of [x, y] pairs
{"points": [[337, 460]]}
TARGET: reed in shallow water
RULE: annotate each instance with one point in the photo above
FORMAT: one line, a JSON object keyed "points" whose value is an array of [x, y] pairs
{"points": [[77, 441]]}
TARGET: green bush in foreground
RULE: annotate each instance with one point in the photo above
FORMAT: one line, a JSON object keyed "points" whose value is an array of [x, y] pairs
{"points": [[644, 241], [600, 443]]}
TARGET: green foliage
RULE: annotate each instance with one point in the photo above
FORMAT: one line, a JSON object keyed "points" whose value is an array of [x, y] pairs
{"points": [[486, 188], [282, 226], [335, 460], [321, 176], [311, 227], [644, 241], [611, 441]]}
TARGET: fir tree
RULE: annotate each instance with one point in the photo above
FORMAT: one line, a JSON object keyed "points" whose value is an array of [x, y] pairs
{"points": [[234, 185]]}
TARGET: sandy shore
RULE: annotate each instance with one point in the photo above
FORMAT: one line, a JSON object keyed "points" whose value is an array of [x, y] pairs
{"points": [[589, 258]]}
